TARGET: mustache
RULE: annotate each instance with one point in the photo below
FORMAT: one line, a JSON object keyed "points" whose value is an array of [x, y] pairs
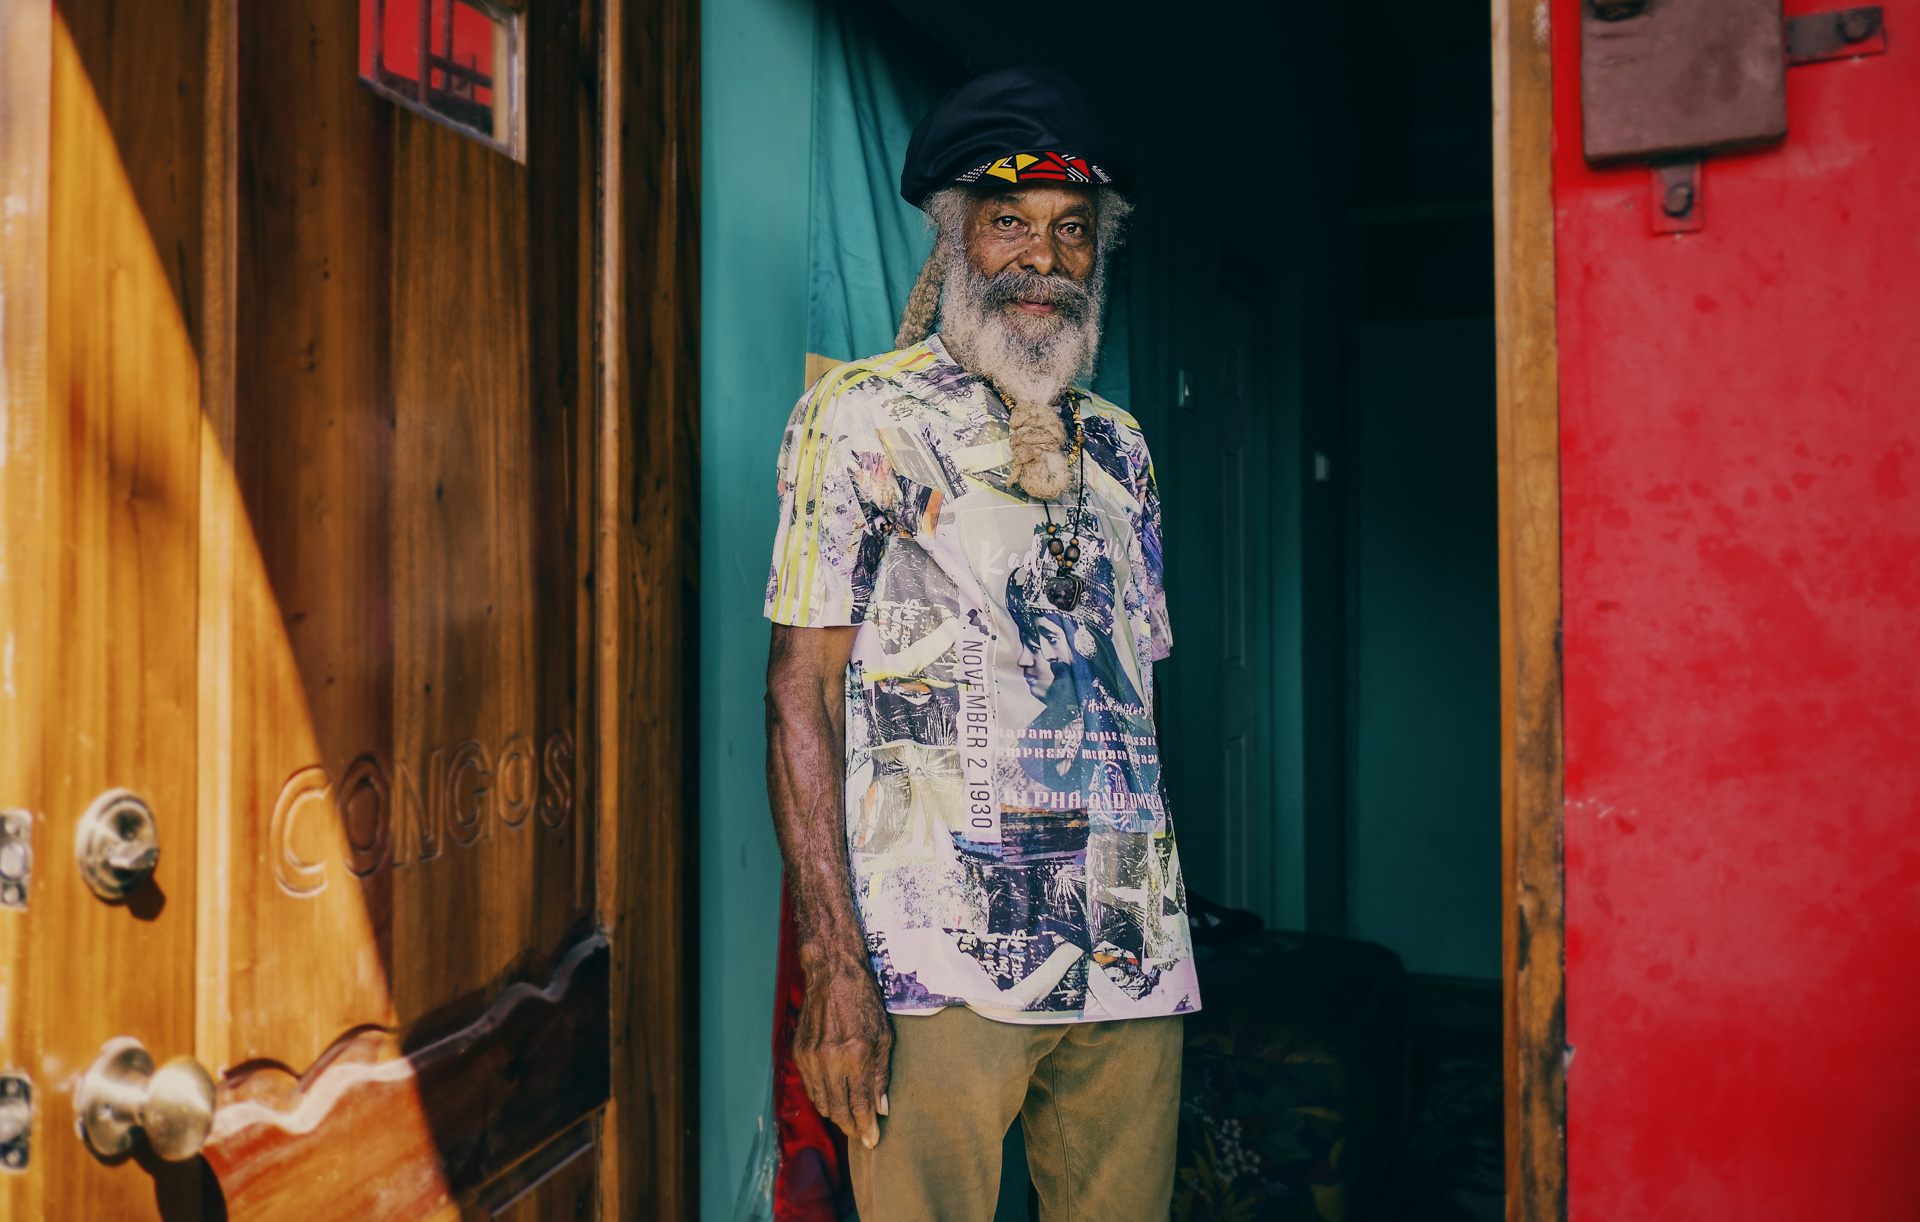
{"points": [[1073, 299]]}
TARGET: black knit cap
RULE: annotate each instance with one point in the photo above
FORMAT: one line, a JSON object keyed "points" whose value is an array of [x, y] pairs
{"points": [[1017, 125]]}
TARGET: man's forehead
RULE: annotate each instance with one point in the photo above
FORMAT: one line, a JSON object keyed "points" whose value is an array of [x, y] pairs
{"points": [[1040, 197]]}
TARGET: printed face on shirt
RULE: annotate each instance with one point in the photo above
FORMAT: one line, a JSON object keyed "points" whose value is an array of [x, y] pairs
{"points": [[1047, 656]]}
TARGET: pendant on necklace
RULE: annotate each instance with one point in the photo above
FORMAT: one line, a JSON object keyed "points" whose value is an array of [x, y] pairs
{"points": [[1063, 591]]}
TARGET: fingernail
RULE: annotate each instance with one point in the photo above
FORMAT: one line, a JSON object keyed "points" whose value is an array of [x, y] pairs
{"points": [[883, 1105], [868, 1142]]}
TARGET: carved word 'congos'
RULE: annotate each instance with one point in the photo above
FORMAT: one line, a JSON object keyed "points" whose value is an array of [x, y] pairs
{"points": [[386, 818]]}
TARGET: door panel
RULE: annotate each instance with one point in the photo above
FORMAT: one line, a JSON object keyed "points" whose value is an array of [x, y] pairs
{"points": [[1217, 482], [344, 652], [416, 485], [484, 585], [410, 668]]}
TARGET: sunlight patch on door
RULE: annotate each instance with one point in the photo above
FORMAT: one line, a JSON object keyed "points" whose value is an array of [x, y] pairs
{"points": [[458, 62]]}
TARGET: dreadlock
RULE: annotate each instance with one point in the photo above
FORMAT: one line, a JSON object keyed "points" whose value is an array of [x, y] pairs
{"points": [[923, 304]]}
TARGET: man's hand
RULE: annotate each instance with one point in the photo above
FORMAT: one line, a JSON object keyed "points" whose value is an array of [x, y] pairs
{"points": [[844, 1040], [842, 1048]]}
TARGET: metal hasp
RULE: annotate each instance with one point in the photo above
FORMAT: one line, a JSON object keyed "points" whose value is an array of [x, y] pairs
{"points": [[16, 857], [16, 1121], [122, 1092], [1672, 79], [1840, 34], [117, 844]]}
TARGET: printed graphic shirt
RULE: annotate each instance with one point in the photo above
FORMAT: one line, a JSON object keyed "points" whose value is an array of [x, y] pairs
{"points": [[1006, 824]]}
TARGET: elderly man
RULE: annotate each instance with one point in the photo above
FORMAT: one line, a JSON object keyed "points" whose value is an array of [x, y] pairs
{"points": [[961, 757]]}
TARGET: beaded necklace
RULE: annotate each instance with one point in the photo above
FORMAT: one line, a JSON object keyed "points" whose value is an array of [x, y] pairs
{"points": [[1064, 588]]}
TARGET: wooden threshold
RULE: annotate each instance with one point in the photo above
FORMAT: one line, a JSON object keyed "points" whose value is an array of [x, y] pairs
{"points": [[1532, 766]]}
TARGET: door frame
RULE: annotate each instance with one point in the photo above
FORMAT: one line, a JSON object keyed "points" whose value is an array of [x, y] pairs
{"points": [[1532, 766], [647, 597], [26, 133]]}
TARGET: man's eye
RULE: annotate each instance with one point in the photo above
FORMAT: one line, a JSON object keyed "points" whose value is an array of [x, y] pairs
{"points": [[1072, 229], [1007, 222]]}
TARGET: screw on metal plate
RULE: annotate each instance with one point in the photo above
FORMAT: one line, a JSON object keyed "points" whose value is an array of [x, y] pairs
{"points": [[117, 844], [16, 858], [1839, 34], [16, 1121], [1676, 198]]}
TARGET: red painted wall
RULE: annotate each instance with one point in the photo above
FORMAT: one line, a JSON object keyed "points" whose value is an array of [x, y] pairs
{"points": [[1740, 410]]}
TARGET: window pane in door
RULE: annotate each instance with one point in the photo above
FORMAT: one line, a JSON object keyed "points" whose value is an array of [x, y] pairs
{"points": [[455, 61]]}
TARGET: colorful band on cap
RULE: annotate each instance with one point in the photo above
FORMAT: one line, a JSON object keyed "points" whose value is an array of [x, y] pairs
{"points": [[1038, 167]]}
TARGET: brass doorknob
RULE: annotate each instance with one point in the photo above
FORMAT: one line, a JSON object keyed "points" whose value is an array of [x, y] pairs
{"points": [[117, 843], [123, 1092]]}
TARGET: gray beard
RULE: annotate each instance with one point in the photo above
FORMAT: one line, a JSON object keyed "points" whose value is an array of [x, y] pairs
{"points": [[1029, 358]]}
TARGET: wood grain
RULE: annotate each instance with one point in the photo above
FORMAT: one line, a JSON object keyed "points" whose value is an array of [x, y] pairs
{"points": [[647, 577], [121, 461], [305, 614], [26, 94], [385, 1139], [219, 288], [408, 590], [570, 1194], [147, 63], [558, 1181], [1530, 664]]}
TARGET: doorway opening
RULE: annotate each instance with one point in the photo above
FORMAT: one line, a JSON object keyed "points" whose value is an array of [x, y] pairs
{"points": [[1302, 321], [1304, 325]]}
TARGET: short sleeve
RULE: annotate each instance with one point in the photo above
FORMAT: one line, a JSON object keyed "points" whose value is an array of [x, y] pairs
{"points": [[831, 535]]}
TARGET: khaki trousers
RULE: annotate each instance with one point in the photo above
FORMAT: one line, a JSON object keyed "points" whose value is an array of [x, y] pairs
{"points": [[1099, 1104]]}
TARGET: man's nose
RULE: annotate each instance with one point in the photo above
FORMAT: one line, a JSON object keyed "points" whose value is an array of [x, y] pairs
{"points": [[1038, 256]]}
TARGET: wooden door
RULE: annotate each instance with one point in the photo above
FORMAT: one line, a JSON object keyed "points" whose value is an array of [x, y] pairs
{"points": [[1236, 753], [310, 453], [1218, 483], [398, 631]]}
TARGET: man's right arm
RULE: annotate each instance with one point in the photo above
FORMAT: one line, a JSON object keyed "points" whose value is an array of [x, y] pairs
{"points": [[843, 1042]]}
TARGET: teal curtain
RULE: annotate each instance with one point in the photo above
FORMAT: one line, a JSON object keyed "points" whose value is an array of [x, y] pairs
{"points": [[873, 78]]}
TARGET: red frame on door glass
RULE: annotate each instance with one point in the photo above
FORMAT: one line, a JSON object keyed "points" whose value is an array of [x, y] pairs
{"points": [[457, 62]]}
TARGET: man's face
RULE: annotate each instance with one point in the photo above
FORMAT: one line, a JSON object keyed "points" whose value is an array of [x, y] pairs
{"points": [[1041, 230]]}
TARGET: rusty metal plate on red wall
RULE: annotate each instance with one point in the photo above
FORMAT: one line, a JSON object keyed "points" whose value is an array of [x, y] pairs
{"points": [[1662, 78]]}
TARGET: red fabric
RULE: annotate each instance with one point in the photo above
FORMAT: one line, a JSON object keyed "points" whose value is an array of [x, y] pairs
{"points": [[811, 1184]]}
